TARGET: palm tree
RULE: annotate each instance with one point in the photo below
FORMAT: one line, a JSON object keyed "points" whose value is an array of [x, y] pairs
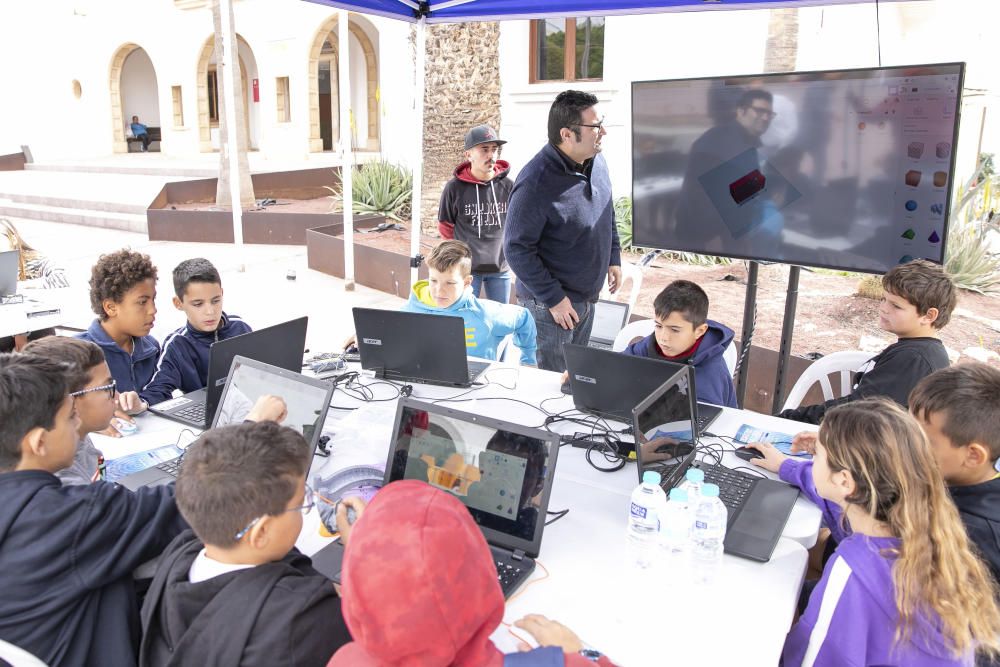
{"points": [[782, 40]]}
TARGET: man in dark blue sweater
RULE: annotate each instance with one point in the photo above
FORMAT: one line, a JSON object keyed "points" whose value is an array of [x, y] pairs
{"points": [[561, 240]]}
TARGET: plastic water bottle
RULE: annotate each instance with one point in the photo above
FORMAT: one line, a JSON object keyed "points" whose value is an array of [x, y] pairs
{"points": [[675, 527], [647, 505], [708, 534], [694, 478]]}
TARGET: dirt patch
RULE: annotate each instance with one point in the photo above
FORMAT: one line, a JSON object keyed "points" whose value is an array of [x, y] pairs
{"points": [[829, 316], [394, 240], [319, 205]]}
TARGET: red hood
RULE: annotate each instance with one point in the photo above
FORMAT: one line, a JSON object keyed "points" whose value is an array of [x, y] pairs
{"points": [[419, 586], [463, 172]]}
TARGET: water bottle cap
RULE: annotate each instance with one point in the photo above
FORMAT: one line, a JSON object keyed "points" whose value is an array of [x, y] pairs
{"points": [[678, 494], [695, 475], [710, 490], [651, 477]]}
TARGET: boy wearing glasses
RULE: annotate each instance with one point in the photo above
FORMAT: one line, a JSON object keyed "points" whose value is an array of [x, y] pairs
{"points": [[234, 590], [94, 400], [67, 553]]}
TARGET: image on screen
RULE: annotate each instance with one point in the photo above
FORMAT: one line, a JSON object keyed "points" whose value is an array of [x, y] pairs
{"points": [[498, 475], [664, 429], [847, 169], [247, 384]]}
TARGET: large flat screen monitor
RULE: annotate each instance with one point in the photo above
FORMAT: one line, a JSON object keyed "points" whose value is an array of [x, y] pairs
{"points": [[847, 169]]}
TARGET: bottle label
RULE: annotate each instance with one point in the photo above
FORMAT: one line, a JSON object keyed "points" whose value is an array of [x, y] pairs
{"points": [[638, 511], [701, 525]]}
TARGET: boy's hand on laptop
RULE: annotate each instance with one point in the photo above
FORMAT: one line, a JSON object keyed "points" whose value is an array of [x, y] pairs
{"points": [[773, 458], [352, 341], [548, 633], [268, 408], [130, 403], [564, 314], [344, 526], [804, 442]]}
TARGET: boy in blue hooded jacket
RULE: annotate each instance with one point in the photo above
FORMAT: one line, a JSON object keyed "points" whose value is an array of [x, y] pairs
{"points": [[487, 323], [684, 334]]}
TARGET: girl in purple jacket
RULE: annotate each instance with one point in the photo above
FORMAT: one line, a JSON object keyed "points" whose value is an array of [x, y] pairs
{"points": [[903, 586]]}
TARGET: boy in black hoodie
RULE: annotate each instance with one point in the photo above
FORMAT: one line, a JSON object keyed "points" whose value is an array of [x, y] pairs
{"points": [[473, 210], [917, 302], [235, 591], [959, 409], [67, 552]]}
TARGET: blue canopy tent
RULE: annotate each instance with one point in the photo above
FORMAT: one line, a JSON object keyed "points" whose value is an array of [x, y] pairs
{"points": [[457, 11]]}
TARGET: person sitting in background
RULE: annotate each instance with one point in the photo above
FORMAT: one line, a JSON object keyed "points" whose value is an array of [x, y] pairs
{"points": [[140, 132]]}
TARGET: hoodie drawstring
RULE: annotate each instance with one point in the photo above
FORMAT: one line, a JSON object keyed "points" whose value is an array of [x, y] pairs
{"points": [[479, 214], [496, 202]]}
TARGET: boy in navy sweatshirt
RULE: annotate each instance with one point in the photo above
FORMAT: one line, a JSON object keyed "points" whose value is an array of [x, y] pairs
{"points": [[684, 334], [184, 362], [123, 295], [67, 552], [959, 410]]}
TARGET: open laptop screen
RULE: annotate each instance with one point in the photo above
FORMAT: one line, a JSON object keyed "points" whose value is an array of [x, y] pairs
{"points": [[663, 428], [306, 399], [609, 318], [501, 472]]}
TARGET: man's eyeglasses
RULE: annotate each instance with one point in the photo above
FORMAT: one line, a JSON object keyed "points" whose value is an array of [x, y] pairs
{"points": [[110, 388], [764, 113], [599, 125], [307, 499]]}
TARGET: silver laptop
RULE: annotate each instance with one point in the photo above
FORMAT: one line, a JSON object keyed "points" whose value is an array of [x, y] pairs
{"points": [[307, 400], [609, 318], [9, 268]]}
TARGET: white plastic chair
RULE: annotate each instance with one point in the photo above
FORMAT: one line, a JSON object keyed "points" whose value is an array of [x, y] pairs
{"points": [[18, 657], [843, 363], [630, 273], [639, 328], [729, 356]]}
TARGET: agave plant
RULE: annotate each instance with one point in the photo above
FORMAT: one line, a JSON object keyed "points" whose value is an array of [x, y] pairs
{"points": [[969, 260], [379, 187]]}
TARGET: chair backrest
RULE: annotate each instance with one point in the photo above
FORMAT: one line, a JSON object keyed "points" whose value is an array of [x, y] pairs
{"points": [[729, 356], [843, 363], [639, 328], [18, 657], [630, 273]]}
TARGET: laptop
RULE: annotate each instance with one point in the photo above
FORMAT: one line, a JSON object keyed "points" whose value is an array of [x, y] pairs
{"points": [[415, 347], [609, 318], [758, 507], [281, 345], [502, 472], [307, 400], [10, 266]]}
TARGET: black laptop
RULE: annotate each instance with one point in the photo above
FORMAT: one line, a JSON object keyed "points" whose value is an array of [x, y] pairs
{"points": [[415, 347], [758, 507], [281, 345], [307, 400]]}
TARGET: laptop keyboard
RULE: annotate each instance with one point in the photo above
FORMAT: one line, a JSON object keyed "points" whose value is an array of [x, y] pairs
{"points": [[171, 467], [193, 413], [734, 486]]}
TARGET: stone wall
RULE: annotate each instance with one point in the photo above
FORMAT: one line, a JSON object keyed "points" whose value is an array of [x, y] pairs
{"points": [[462, 91]]}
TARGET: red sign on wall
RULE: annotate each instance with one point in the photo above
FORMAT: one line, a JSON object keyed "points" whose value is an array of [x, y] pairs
{"points": [[256, 90]]}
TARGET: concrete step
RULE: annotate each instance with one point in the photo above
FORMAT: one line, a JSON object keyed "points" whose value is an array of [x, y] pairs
{"points": [[69, 202], [78, 216], [179, 172]]}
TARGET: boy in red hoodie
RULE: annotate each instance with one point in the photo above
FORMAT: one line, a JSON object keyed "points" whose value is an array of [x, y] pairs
{"points": [[473, 209], [420, 589]]}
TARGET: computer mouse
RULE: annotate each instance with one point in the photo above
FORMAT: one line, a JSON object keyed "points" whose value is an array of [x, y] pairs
{"points": [[124, 427], [748, 453], [566, 389]]}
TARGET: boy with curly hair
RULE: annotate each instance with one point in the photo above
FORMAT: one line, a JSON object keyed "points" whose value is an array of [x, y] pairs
{"points": [[123, 295]]}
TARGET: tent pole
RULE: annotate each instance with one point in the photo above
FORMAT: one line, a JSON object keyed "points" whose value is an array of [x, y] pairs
{"points": [[418, 166], [231, 142], [346, 147]]}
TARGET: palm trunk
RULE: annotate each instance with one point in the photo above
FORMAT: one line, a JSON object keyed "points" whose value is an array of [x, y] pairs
{"points": [[223, 196]]}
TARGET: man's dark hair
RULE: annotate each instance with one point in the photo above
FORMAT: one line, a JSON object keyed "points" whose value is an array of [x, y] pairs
{"points": [[926, 285], [83, 354], [115, 274], [196, 270], [566, 111], [684, 297], [753, 94], [967, 396], [32, 390], [234, 474]]}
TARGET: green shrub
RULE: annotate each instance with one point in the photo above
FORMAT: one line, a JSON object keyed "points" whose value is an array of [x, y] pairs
{"points": [[379, 187], [969, 262]]}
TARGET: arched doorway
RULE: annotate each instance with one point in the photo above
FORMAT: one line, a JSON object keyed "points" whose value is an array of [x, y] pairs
{"points": [[209, 89], [134, 92], [324, 109]]}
